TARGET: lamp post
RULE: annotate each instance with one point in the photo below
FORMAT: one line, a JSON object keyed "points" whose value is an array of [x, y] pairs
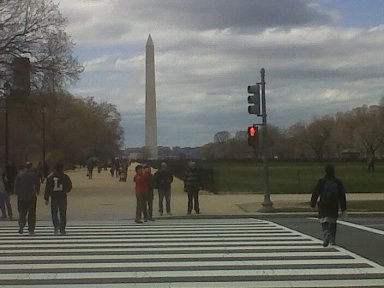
{"points": [[7, 90], [43, 113]]}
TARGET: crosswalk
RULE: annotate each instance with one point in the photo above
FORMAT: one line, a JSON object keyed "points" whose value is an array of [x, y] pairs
{"points": [[178, 253]]}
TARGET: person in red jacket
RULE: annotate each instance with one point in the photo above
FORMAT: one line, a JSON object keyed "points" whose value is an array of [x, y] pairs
{"points": [[141, 181], [149, 196]]}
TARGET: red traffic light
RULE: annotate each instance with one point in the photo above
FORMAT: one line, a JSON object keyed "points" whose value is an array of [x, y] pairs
{"points": [[252, 131]]}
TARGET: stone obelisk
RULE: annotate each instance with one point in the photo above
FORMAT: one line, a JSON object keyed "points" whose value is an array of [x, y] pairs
{"points": [[150, 100]]}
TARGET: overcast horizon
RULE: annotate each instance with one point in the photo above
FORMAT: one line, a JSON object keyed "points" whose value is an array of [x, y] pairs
{"points": [[320, 57]]}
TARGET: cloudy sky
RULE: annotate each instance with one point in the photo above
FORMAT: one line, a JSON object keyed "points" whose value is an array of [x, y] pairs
{"points": [[320, 57]]}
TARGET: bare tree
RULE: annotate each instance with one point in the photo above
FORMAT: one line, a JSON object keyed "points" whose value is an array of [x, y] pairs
{"points": [[222, 137], [35, 29], [318, 134]]}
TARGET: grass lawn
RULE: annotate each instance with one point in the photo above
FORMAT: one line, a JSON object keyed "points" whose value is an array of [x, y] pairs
{"points": [[292, 177]]}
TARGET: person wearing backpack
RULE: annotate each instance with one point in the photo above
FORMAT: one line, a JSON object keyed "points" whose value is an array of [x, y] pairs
{"points": [[330, 192]]}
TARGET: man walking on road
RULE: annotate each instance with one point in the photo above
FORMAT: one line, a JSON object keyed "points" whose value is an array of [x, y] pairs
{"points": [[332, 195], [163, 180], [57, 187], [27, 185]]}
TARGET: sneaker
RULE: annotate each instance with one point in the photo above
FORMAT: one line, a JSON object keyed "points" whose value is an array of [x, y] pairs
{"points": [[21, 230], [326, 240]]}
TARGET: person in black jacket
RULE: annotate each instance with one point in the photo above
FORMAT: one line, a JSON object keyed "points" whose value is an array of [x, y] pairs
{"points": [[330, 190], [163, 180], [57, 187], [27, 185], [192, 185]]}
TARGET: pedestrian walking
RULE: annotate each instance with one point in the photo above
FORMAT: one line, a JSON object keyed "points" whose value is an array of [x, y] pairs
{"points": [[90, 166], [149, 195], [141, 187], [117, 167], [26, 189], [57, 187], [3, 192], [331, 193], [192, 185], [371, 162], [5, 196], [10, 176], [163, 181]]}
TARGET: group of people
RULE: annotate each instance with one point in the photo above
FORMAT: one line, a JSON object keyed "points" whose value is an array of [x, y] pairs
{"points": [[26, 186], [119, 167], [329, 195], [145, 183]]}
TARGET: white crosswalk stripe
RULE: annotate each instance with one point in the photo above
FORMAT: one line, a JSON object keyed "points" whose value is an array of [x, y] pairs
{"points": [[178, 253]]}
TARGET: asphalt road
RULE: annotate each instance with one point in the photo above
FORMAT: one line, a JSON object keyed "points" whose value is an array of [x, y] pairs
{"points": [[365, 239]]}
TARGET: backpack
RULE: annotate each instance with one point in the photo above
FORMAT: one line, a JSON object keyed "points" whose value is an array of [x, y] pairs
{"points": [[330, 194]]}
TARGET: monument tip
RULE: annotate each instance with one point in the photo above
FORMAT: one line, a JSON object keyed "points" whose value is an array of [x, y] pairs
{"points": [[149, 41]]}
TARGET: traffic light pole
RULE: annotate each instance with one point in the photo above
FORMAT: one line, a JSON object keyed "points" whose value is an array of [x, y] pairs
{"points": [[267, 203]]}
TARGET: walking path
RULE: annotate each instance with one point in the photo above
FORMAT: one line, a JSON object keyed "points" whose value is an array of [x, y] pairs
{"points": [[105, 198]]}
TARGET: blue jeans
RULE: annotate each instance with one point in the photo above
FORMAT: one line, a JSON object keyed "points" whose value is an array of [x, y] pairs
{"points": [[6, 205], [59, 208], [165, 193], [27, 207]]}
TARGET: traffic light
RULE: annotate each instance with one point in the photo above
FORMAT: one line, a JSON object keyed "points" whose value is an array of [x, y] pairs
{"points": [[253, 136], [254, 99]]}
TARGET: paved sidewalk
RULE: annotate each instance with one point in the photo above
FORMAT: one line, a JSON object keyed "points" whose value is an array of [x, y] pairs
{"points": [[105, 198]]}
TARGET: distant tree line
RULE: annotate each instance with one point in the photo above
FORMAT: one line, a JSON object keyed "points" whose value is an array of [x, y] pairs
{"points": [[75, 128], [358, 132]]}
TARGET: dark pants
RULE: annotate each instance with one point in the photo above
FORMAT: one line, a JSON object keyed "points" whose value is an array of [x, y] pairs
{"points": [[164, 193], [27, 207], [59, 213], [329, 230], [140, 206], [149, 206], [193, 201], [5, 205]]}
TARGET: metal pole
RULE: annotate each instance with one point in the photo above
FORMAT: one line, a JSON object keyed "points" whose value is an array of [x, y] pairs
{"points": [[6, 124], [43, 111], [267, 204], [6, 132]]}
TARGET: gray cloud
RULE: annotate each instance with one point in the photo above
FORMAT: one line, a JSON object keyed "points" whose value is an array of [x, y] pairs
{"points": [[222, 14], [207, 52]]}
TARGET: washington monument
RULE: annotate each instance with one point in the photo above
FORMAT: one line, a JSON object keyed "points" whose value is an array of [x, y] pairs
{"points": [[150, 100]]}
